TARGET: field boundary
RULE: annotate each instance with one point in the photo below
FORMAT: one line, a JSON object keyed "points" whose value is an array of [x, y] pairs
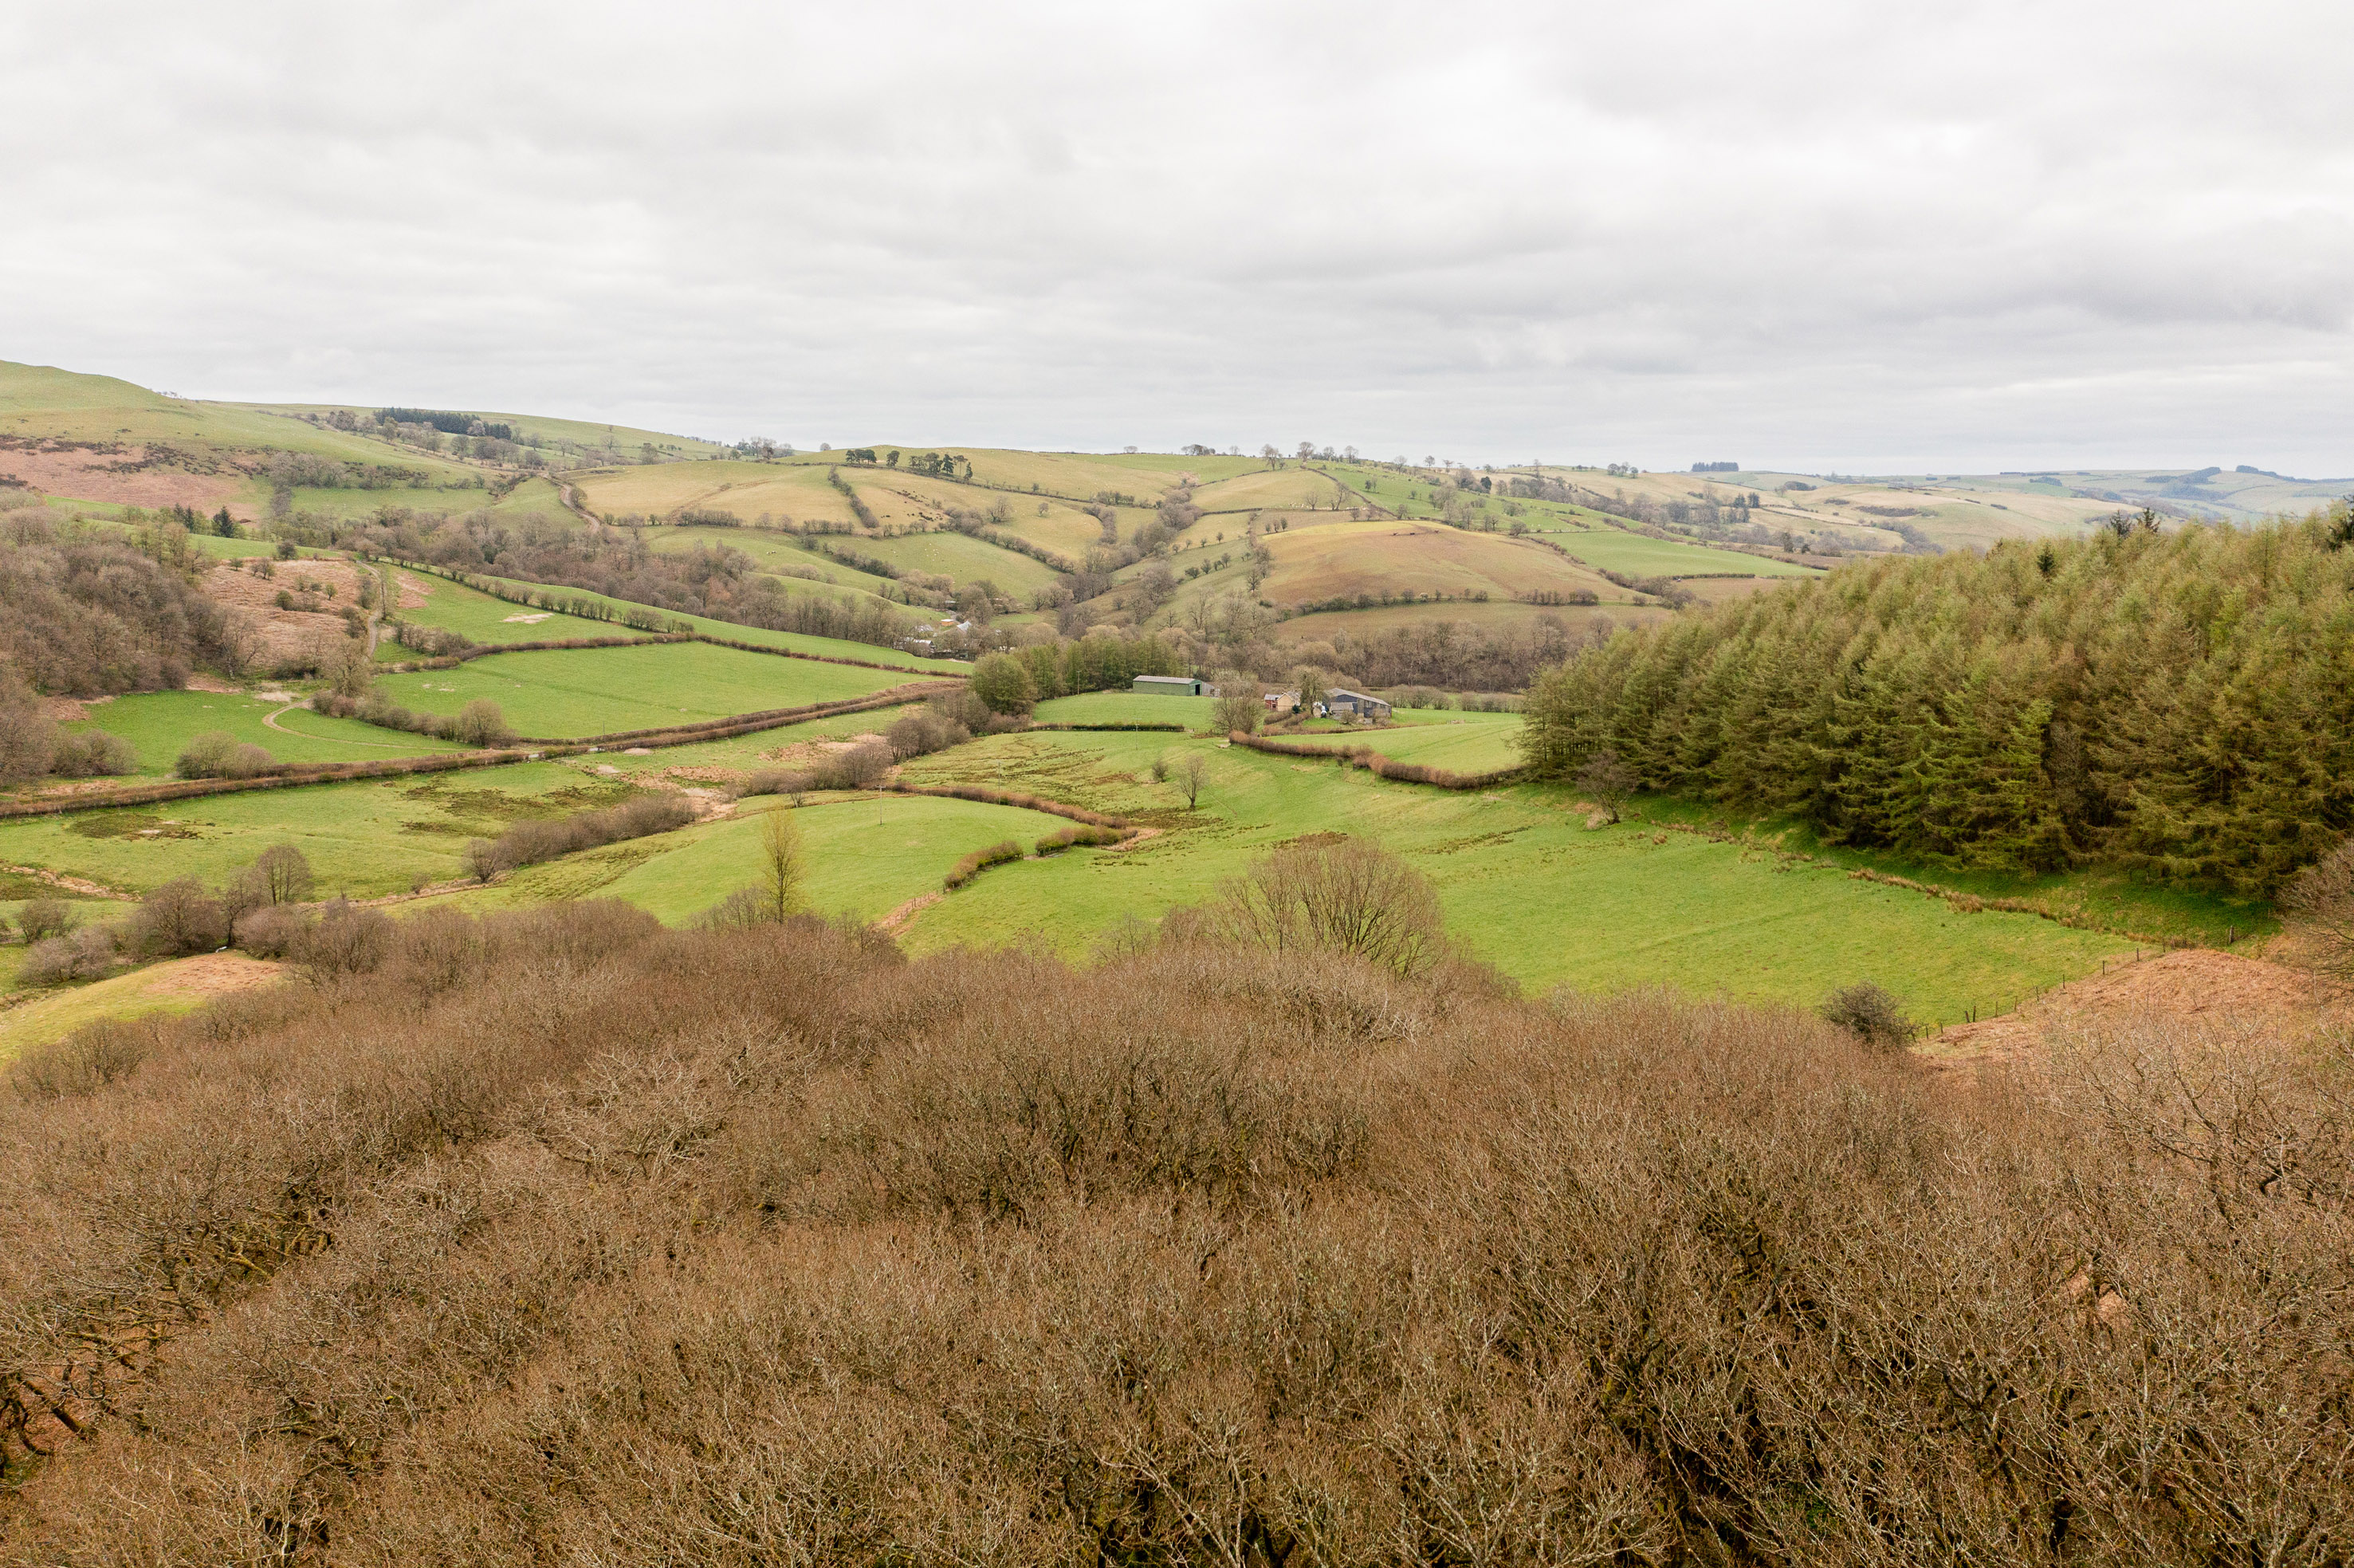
{"points": [[299, 775], [535, 596], [1380, 766]]}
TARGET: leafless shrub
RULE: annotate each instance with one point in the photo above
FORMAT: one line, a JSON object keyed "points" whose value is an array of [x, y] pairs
{"points": [[217, 754], [347, 938], [82, 954], [2320, 903], [1342, 895], [769, 1245], [534, 840], [1869, 1014], [858, 766], [43, 918], [269, 931]]}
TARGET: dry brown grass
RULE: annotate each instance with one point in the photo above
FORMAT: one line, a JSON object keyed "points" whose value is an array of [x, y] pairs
{"points": [[560, 1238]]}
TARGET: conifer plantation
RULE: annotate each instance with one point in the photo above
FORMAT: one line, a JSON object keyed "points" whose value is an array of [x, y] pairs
{"points": [[2181, 703]]}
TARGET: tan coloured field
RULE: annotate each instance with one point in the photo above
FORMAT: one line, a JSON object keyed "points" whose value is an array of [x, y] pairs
{"points": [[1286, 487], [1348, 557], [1595, 621]]}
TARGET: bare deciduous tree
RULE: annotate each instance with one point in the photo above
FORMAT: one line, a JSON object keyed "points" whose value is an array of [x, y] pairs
{"points": [[1345, 897], [1189, 775], [782, 864], [2320, 906], [1608, 780]]}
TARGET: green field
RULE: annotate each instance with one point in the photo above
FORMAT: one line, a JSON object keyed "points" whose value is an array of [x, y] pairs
{"points": [[559, 693], [866, 855], [819, 647], [362, 839], [949, 553], [1128, 707], [159, 726], [1640, 556], [772, 551], [483, 619], [155, 987], [1526, 886]]}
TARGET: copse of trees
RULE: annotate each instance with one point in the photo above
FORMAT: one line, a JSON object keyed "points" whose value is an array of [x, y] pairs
{"points": [[2175, 703], [82, 615]]}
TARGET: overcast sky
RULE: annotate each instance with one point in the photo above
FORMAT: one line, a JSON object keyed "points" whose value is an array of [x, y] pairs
{"points": [[1876, 236]]}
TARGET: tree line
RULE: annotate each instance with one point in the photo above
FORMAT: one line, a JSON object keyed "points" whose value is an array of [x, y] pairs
{"points": [[2182, 703]]}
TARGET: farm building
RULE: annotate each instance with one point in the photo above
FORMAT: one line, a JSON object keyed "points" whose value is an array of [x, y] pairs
{"points": [[1280, 702], [1174, 686], [1357, 705]]}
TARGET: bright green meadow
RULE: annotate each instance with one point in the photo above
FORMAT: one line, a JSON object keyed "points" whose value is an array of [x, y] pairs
{"points": [[558, 693]]}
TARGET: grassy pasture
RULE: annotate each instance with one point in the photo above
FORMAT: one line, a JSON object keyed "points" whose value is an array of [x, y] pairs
{"points": [[532, 496], [1281, 487], [362, 839], [1638, 555], [1301, 632], [967, 560], [483, 617], [1525, 884], [794, 489], [169, 987], [159, 726], [772, 551], [1128, 707], [581, 432], [1349, 557], [866, 855], [820, 647], [562, 693]]}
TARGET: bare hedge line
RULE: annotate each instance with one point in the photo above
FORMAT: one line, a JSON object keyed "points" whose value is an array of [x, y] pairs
{"points": [[1374, 762]]}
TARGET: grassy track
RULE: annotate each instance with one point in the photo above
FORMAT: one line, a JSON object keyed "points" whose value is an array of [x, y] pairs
{"points": [[159, 726], [1525, 884], [563, 693]]}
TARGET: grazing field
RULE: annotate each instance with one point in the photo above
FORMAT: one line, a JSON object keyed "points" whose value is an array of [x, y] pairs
{"points": [[364, 840], [795, 489], [1271, 488], [794, 641], [772, 552], [1525, 884], [1344, 559], [481, 618], [1464, 743], [177, 985], [1582, 620], [952, 554], [559, 693], [1128, 707], [159, 726], [866, 855], [1640, 556]]}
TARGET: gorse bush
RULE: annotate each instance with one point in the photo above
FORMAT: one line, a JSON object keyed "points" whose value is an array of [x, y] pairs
{"points": [[555, 1235], [2173, 703]]}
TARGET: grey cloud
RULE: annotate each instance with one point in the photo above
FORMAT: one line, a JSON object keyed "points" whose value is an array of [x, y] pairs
{"points": [[1828, 234]]}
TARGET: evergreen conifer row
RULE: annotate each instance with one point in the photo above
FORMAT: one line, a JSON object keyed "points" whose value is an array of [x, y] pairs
{"points": [[2179, 702]]}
